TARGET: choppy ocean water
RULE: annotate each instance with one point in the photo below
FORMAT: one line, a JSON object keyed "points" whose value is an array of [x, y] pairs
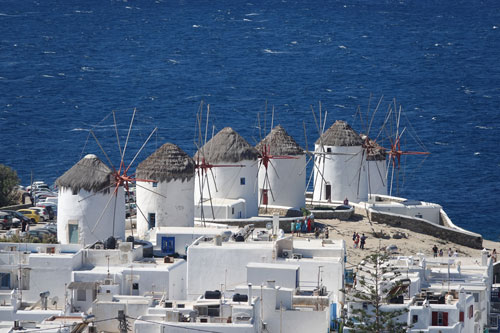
{"points": [[64, 66]]}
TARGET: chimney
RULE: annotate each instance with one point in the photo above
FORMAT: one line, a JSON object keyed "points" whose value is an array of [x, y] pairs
{"points": [[484, 257]]}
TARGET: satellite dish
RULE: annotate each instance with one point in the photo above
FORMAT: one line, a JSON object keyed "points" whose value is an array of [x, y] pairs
{"points": [[269, 225], [54, 300]]}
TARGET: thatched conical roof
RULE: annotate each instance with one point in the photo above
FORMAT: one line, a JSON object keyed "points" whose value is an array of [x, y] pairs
{"points": [[167, 163], [227, 146], [89, 174], [280, 143], [340, 134], [376, 152]]}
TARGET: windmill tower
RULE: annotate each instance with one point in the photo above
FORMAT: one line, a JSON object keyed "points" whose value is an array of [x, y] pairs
{"points": [[338, 157], [167, 202], [282, 179], [85, 214], [376, 167], [225, 179]]}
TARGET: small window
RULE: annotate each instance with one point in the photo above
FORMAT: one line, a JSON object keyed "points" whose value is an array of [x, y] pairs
{"points": [[81, 295], [414, 319], [232, 210], [135, 286], [328, 150], [471, 311], [5, 280], [74, 191], [242, 181], [476, 297], [155, 184]]}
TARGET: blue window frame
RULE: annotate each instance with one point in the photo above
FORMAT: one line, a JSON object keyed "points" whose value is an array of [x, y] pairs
{"points": [[242, 181]]}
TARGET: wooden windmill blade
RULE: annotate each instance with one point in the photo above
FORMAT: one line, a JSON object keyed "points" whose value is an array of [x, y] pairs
{"points": [[395, 137], [120, 175]]}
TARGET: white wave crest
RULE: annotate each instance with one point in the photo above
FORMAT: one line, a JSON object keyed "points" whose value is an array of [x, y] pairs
{"points": [[79, 130], [272, 51]]}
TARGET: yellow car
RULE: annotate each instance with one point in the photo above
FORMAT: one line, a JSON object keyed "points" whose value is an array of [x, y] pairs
{"points": [[31, 214]]}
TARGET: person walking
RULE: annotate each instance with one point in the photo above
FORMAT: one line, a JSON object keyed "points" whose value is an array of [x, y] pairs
{"points": [[450, 253], [441, 252], [316, 232], [327, 233], [292, 227], [356, 241], [494, 255], [435, 250], [298, 226], [363, 241]]}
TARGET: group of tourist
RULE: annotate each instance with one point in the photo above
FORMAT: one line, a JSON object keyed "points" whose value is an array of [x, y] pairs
{"points": [[306, 225], [359, 241], [439, 252]]}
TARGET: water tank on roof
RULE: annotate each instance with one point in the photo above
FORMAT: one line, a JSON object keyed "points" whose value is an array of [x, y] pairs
{"points": [[212, 294], [111, 243], [240, 298]]}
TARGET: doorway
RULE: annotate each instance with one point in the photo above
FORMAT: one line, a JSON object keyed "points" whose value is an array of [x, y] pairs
{"points": [[152, 220], [328, 192]]}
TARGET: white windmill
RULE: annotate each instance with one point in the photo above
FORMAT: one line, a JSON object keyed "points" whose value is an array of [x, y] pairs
{"points": [[168, 202], [92, 195], [228, 192], [281, 165]]}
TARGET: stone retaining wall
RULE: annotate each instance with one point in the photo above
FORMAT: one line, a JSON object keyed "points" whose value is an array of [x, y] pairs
{"points": [[16, 207], [422, 226]]}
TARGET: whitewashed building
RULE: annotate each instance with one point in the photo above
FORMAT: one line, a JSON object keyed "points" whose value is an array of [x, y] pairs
{"points": [[167, 199], [90, 206], [339, 171], [226, 178], [444, 294], [305, 266], [282, 181]]}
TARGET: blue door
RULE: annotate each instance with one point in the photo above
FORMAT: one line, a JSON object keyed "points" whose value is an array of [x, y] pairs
{"points": [[168, 245]]}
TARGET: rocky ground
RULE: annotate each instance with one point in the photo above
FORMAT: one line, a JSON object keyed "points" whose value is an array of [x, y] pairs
{"points": [[407, 242]]}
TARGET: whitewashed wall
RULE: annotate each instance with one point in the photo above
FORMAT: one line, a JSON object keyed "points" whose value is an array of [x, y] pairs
{"points": [[173, 208], [342, 172], [86, 208], [287, 179], [228, 181], [376, 172]]}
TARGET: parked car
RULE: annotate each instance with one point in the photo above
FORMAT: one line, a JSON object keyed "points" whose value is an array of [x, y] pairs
{"points": [[40, 233], [5, 221], [32, 214], [51, 227], [49, 209], [51, 200], [19, 216], [16, 221], [48, 203], [44, 215]]}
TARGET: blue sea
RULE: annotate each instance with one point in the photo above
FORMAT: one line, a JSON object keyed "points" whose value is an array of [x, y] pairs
{"points": [[66, 65]]}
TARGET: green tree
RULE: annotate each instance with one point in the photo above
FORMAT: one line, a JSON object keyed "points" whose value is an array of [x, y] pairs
{"points": [[377, 283], [8, 183]]}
